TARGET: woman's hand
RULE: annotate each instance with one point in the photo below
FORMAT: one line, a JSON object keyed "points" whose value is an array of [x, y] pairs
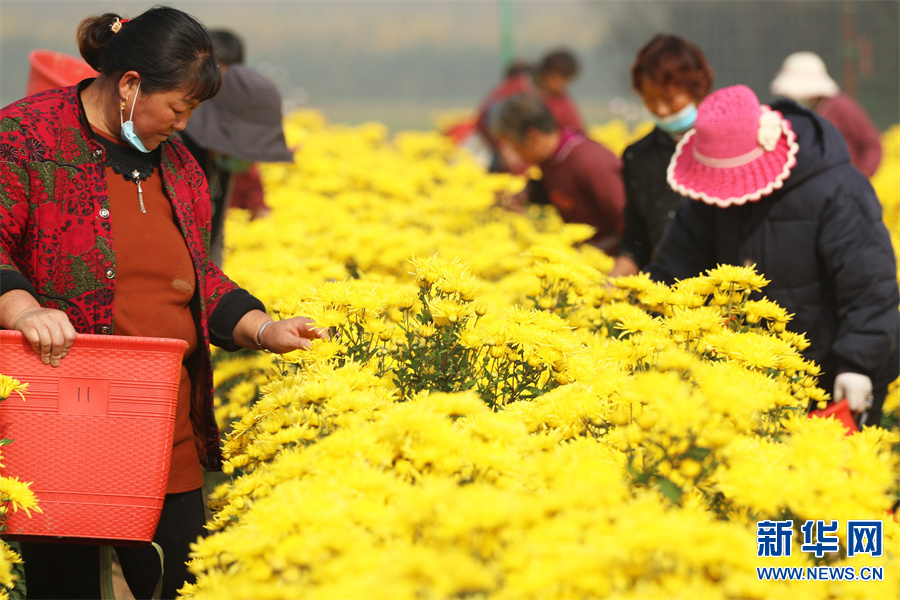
{"points": [[48, 330], [258, 330], [856, 388], [290, 334], [517, 203], [623, 266]]}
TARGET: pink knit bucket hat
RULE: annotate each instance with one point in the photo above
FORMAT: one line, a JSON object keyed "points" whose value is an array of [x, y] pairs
{"points": [[737, 152]]}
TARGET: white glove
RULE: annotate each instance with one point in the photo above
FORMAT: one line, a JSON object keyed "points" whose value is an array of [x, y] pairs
{"points": [[856, 388]]}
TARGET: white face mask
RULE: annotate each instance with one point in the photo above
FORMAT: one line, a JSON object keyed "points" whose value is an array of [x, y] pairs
{"points": [[128, 133], [679, 122]]}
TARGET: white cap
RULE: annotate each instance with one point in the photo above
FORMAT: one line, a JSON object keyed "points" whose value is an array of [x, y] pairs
{"points": [[803, 75]]}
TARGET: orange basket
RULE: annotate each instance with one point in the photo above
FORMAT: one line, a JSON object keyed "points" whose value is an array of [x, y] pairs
{"points": [[49, 69], [94, 436], [841, 412]]}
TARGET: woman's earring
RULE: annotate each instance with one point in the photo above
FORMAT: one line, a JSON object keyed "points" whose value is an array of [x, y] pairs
{"points": [[122, 105]]}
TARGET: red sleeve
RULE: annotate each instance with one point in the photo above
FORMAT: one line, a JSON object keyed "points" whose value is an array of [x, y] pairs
{"points": [[599, 174], [862, 137], [248, 190]]}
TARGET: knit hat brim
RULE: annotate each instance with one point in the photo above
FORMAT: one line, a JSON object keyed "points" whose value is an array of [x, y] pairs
{"points": [[727, 182]]}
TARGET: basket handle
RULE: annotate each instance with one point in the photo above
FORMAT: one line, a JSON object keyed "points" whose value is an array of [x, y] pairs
{"points": [[107, 592]]}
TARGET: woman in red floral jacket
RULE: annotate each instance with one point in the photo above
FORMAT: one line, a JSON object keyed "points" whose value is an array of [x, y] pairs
{"points": [[106, 220]]}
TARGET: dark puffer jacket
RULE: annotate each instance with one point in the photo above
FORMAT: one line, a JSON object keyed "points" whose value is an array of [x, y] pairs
{"points": [[821, 242], [649, 201]]}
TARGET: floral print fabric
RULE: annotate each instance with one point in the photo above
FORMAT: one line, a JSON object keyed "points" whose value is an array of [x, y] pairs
{"points": [[57, 239]]}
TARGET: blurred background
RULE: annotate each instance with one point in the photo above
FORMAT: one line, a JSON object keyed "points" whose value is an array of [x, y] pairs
{"points": [[406, 63]]}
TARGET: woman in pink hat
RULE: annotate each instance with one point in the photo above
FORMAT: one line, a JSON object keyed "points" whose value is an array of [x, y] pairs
{"points": [[774, 187]]}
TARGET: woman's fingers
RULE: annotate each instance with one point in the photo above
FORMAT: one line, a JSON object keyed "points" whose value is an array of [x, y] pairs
{"points": [[49, 332], [296, 333], [63, 339], [306, 328]]}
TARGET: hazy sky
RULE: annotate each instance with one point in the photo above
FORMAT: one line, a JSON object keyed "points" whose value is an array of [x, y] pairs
{"points": [[402, 61], [322, 46]]}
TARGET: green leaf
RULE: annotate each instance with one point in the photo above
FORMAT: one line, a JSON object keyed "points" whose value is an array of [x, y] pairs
{"points": [[669, 489], [697, 453]]}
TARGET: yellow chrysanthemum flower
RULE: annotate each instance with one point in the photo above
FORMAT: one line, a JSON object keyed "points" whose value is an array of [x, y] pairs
{"points": [[11, 385], [18, 494], [745, 278]]}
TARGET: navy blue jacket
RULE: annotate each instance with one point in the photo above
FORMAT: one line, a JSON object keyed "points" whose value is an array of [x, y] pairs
{"points": [[649, 201], [821, 242]]}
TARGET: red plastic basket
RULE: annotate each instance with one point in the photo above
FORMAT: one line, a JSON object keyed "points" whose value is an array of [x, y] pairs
{"points": [[94, 436], [841, 412], [50, 69]]}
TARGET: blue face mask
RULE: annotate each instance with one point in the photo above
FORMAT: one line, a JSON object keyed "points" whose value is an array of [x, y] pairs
{"points": [[679, 122], [128, 133]]}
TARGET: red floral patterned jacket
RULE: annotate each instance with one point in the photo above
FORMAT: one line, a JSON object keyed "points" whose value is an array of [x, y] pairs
{"points": [[57, 241]]}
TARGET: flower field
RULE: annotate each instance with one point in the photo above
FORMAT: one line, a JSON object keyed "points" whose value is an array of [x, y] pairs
{"points": [[492, 418]]}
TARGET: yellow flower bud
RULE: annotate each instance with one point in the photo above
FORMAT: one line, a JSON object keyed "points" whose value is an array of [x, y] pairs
{"points": [[407, 301], [722, 297], [621, 416], [635, 436], [646, 420], [690, 468], [718, 437]]}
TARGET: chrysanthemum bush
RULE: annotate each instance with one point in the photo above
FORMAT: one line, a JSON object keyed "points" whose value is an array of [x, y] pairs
{"points": [[492, 418], [14, 495]]}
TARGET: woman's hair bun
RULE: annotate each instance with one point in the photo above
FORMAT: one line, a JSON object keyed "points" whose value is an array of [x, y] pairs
{"points": [[93, 35]]}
